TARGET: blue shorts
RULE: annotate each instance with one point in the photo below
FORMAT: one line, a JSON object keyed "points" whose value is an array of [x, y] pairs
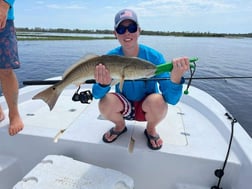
{"points": [[8, 47]]}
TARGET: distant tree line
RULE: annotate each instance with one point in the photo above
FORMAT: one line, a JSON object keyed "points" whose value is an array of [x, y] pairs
{"points": [[143, 32]]}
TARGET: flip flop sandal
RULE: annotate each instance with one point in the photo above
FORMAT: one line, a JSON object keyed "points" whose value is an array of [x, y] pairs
{"points": [[112, 132], [149, 138]]}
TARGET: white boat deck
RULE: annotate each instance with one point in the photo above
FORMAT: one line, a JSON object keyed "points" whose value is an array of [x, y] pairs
{"points": [[185, 130], [83, 123], [195, 140]]}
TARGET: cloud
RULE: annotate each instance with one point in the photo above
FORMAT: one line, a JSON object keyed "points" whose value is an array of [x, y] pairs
{"points": [[40, 2], [66, 6], [184, 7], [161, 15]]}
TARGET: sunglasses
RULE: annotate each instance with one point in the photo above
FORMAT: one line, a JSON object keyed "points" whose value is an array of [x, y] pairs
{"points": [[132, 28]]}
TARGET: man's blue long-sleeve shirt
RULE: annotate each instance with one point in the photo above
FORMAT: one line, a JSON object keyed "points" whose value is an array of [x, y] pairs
{"points": [[137, 90]]}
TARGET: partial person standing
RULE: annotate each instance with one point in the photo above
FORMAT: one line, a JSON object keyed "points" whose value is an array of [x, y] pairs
{"points": [[9, 60]]}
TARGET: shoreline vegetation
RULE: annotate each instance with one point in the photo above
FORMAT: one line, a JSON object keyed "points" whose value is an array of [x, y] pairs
{"points": [[45, 34]]}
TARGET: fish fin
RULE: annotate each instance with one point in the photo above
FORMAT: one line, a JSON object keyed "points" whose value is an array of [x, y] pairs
{"points": [[121, 84], [49, 96], [114, 82], [80, 61]]}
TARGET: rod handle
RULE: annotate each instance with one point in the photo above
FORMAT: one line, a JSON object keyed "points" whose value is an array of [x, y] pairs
{"points": [[167, 67]]}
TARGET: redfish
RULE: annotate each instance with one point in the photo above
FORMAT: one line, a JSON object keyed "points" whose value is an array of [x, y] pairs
{"points": [[120, 67]]}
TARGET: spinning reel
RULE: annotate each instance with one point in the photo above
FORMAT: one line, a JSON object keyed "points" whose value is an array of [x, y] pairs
{"points": [[84, 97]]}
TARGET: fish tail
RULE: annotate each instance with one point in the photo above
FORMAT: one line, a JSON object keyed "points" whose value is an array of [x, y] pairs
{"points": [[49, 96]]}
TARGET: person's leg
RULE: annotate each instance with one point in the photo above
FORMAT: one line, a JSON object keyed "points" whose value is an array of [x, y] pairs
{"points": [[155, 109], [10, 90], [1, 114], [111, 107]]}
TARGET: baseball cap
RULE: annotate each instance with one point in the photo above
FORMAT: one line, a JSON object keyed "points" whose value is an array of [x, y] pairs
{"points": [[125, 14]]}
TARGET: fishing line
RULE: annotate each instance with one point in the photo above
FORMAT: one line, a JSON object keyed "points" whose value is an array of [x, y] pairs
{"points": [[192, 71], [219, 173]]}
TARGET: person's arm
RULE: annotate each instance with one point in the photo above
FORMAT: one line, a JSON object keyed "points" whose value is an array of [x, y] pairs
{"points": [[103, 80], [100, 91], [180, 66], [4, 8], [172, 89]]}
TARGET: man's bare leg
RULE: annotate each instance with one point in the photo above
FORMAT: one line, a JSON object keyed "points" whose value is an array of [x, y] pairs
{"points": [[10, 91], [113, 114], [1, 114], [156, 109]]}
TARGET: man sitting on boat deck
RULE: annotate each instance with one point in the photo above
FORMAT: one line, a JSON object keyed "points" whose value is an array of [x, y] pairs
{"points": [[138, 100]]}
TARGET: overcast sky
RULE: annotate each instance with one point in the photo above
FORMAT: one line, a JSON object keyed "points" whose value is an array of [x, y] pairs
{"points": [[215, 16]]}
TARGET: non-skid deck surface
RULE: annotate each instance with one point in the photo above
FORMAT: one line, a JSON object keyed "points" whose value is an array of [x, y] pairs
{"points": [[171, 129], [63, 114]]}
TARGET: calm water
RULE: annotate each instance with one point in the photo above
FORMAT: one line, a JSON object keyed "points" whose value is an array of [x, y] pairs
{"points": [[217, 57]]}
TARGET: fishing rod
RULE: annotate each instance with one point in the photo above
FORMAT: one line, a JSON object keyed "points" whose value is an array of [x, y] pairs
{"points": [[162, 68], [92, 81], [223, 77]]}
